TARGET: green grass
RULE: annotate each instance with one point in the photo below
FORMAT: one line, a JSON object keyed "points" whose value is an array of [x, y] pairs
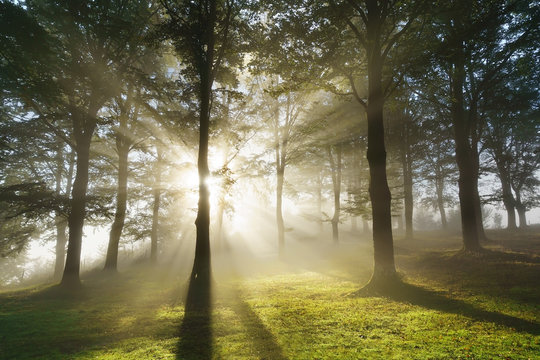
{"points": [[452, 306]]}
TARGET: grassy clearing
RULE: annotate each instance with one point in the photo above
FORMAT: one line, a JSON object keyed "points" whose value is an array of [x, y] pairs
{"points": [[452, 306]]}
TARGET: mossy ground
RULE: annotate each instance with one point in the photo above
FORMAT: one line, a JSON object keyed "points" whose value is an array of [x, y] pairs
{"points": [[451, 306]]}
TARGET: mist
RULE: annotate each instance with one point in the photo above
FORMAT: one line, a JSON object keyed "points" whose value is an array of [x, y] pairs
{"points": [[280, 180]]}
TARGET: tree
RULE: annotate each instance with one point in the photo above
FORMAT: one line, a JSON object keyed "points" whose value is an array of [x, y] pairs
{"points": [[205, 35], [90, 47], [354, 41], [466, 34]]}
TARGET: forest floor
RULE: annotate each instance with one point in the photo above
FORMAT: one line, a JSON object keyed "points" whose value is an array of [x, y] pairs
{"points": [[451, 306]]}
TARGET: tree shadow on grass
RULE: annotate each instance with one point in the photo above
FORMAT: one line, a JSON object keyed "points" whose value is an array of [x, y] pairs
{"points": [[196, 330], [266, 345], [428, 299]]}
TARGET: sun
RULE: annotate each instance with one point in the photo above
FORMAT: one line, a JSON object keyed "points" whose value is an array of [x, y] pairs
{"points": [[187, 178]]}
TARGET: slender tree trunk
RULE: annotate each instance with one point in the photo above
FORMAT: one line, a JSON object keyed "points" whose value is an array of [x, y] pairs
{"points": [[156, 191], [83, 137], [407, 189], [111, 260], [439, 189], [201, 273], [464, 159], [383, 243], [335, 166], [280, 136], [507, 196]]}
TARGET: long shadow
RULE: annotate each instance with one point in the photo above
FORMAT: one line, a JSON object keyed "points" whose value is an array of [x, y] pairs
{"points": [[415, 295], [265, 342], [196, 330]]}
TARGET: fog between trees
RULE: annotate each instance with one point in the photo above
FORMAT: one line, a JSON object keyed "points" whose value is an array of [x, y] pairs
{"points": [[244, 131]]}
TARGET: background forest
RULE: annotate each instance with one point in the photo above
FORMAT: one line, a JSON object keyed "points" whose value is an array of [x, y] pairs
{"points": [[187, 143]]}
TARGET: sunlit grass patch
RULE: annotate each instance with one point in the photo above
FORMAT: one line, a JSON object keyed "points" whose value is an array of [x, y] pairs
{"points": [[449, 308]]}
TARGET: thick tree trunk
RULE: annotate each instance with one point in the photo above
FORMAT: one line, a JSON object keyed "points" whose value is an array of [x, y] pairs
{"points": [[335, 166], [465, 161], [111, 260], [383, 243], [511, 215], [156, 191], [77, 214]]}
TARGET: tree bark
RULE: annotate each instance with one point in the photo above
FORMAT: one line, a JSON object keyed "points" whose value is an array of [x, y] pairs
{"points": [[521, 210], [383, 243], [439, 189], [506, 186], [280, 157], [464, 159], [475, 157], [122, 146], [201, 273], [84, 126]]}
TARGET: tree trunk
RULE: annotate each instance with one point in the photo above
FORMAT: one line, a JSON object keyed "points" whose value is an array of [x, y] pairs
{"points": [[122, 145], [521, 210], [408, 196], [201, 273], [464, 159], [511, 223], [383, 243], [477, 201], [155, 209], [83, 137], [60, 219], [507, 196], [280, 136], [439, 189]]}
